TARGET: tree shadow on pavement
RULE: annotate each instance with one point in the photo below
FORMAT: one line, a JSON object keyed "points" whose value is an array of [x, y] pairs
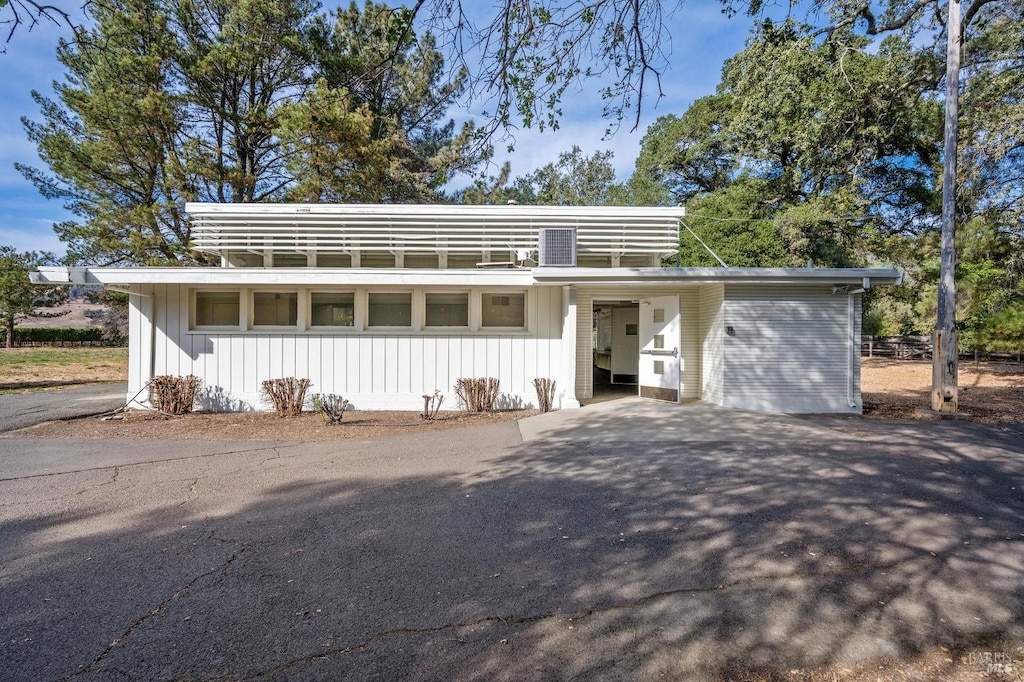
{"points": [[554, 559]]}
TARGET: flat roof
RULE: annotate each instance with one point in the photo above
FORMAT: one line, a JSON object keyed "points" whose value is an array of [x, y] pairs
{"points": [[580, 277]]}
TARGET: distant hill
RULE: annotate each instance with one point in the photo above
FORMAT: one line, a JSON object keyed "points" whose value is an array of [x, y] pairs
{"points": [[75, 315]]}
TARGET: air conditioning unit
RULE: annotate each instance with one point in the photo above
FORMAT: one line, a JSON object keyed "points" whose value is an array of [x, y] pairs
{"points": [[557, 247]]}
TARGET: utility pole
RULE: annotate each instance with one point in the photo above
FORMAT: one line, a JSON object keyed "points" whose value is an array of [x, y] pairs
{"points": [[945, 353]]}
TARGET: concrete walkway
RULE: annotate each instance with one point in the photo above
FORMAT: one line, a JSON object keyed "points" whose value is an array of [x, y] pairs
{"points": [[18, 410], [619, 542]]}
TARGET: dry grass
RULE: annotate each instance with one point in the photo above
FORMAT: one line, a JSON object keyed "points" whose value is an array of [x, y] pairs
{"points": [[989, 391], [27, 368]]}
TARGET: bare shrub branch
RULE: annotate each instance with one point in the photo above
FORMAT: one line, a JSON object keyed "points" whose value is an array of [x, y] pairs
{"points": [[287, 394], [478, 394], [174, 395]]}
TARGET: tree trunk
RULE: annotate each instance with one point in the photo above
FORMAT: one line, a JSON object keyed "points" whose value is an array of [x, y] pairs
{"points": [[10, 332]]}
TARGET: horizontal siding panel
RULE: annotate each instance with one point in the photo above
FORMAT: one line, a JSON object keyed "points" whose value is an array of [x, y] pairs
{"points": [[712, 335], [790, 351]]}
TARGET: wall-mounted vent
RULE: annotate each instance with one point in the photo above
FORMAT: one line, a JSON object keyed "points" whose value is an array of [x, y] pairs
{"points": [[557, 247]]}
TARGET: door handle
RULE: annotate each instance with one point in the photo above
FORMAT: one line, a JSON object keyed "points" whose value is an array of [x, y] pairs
{"points": [[661, 351]]}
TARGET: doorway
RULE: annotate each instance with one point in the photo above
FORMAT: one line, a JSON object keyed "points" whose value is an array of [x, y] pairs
{"points": [[616, 348]]}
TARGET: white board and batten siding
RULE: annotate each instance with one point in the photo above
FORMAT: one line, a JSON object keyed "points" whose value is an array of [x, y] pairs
{"points": [[374, 370], [791, 350]]}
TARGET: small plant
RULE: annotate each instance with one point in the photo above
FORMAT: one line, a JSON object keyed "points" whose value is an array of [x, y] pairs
{"points": [[331, 407], [477, 395], [545, 393], [431, 405], [287, 394], [173, 395]]}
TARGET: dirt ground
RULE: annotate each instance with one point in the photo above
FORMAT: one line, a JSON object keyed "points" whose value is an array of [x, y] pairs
{"points": [[990, 392], [258, 425], [992, 661]]}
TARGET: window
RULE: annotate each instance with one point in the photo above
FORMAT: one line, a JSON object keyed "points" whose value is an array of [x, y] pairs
{"points": [[333, 309], [217, 308], [503, 310], [275, 309], [447, 310], [290, 260], [333, 260], [390, 310]]}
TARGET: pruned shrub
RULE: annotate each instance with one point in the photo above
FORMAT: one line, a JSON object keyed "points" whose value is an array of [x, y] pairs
{"points": [[287, 395], [174, 395], [545, 393], [331, 407], [478, 394], [431, 405]]}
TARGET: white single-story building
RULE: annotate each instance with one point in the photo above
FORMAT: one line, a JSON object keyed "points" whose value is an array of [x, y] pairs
{"points": [[385, 303]]}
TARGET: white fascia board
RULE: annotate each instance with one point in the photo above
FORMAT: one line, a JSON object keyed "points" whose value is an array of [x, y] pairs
{"points": [[676, 276], [438, 212], [467, 277], [286, 276]]}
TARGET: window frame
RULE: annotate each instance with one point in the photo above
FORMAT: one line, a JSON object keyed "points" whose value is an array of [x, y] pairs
{"points": [[322, 329], [414, 315], [525, 293], [299, 317], [469, 309], [193, 309]]}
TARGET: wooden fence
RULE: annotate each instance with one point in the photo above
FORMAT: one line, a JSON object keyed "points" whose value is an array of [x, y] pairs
{"points": [[920, 348]]}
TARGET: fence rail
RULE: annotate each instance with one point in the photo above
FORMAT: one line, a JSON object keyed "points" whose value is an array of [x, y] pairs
{"points": [[920, 348]]}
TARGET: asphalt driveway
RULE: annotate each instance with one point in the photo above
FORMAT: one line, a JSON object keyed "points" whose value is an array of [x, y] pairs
{"points": [[622, 541], [18, 410]]}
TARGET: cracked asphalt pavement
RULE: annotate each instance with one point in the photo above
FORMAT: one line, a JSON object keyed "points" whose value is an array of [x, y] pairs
{"points": [[18, 410], [624, 541]]}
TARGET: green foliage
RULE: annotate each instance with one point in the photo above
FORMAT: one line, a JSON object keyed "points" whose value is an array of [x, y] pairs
{"points": [[241, 61], [109, 138], [19, 298], [727, 222], [573, 180], [835, 139], [38, 359], [168, 101], [56, 335]]}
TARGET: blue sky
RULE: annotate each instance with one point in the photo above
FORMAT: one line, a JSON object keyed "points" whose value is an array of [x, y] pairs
{"points": [[702, 38]]}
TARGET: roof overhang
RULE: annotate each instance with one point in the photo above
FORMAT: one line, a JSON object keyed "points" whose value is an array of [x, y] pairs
{"points": [[580, 277], [283, 276], [599, 277]]}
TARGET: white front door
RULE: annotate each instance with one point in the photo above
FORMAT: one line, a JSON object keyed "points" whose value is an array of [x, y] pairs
{"points": [[659, 348]]}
